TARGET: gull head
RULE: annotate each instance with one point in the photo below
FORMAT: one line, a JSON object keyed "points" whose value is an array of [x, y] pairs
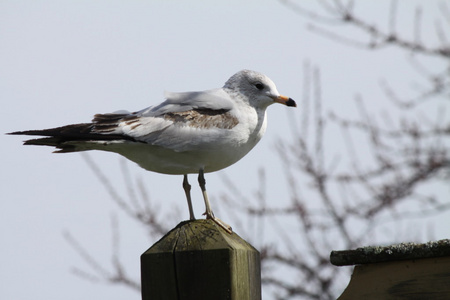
{"points": [[257, 89]]}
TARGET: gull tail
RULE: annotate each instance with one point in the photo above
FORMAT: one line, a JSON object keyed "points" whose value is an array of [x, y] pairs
{"points": [[70, 138]]}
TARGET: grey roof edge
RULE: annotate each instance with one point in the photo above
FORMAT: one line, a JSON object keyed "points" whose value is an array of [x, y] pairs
{"points": [[396, 252]]}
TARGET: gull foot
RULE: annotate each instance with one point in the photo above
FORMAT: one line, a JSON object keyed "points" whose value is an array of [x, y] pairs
{"points": [[220, 223]]}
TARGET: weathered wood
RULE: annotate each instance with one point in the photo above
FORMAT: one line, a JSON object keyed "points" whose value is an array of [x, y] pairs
{"points": [[200, 260], [402, 251], [407, 279]]}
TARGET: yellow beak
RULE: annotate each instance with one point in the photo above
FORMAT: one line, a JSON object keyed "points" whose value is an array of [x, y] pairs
{"points": [[286, 101]]}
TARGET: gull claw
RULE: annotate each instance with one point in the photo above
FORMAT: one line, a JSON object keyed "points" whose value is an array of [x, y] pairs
{"points": [[219, 222]]}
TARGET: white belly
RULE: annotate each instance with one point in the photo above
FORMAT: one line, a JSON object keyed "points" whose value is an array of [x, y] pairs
{"points": [[210, 151]]}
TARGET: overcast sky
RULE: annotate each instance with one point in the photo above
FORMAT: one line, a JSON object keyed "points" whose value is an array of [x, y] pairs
{"points": [[63, 61]]}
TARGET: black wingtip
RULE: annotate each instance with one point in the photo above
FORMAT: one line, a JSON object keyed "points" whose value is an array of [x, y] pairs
{"points": [[30, 132], [16, 133]]}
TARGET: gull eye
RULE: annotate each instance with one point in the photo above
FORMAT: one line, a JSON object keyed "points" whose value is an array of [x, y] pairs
{"points": [[259, 86]]}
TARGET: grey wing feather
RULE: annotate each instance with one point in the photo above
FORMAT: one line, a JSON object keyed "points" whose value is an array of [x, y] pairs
{"points": [[216, 99], [149, 125]]}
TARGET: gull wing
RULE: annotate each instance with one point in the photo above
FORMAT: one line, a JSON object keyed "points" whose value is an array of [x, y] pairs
{"points": [[216, 99], [171, 124], [174, 123]]}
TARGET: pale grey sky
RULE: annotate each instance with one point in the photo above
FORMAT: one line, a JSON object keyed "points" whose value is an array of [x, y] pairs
{"points": [[63, 61]]}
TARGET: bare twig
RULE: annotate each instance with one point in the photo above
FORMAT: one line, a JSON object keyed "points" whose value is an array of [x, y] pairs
{"points": [[100, 274], [339, 13], [144, 213]]}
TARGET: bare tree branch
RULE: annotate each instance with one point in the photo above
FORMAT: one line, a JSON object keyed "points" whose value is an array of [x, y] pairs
{"points": [[144, 213], [339, 195], [344, 14], [100, 274]]}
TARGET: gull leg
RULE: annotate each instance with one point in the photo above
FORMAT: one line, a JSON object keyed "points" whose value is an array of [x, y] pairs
{"points": [[209, 214], [187, 191], [202, 182]]}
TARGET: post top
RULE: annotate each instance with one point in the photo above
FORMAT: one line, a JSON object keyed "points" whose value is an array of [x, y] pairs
{"points": [[196, 235]]}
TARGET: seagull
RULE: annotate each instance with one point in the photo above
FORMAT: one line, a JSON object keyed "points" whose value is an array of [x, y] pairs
{"points": [[188, 133]]}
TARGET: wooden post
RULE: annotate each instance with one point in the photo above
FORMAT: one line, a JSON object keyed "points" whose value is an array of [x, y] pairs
{"points": [[200, 260], [426, 278], [400, 271]]}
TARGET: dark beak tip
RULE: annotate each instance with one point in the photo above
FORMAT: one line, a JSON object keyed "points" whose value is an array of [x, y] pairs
{"points": [[291, 102]]}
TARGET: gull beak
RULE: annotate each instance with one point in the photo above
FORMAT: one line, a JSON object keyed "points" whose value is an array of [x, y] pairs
{"points": [[285, 100]]}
